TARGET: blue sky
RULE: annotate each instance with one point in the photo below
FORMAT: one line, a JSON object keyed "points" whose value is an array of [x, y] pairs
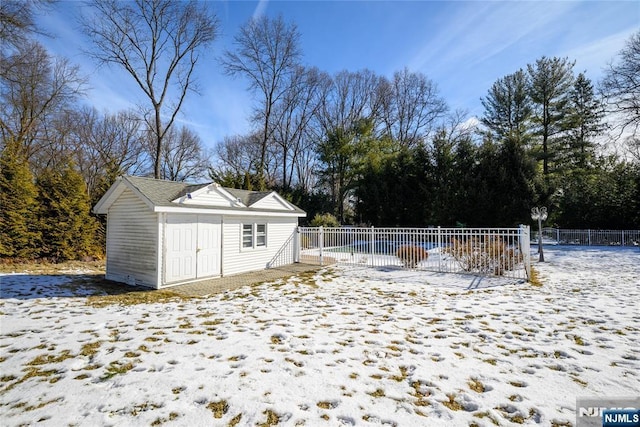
{"points": [[463, 46]]}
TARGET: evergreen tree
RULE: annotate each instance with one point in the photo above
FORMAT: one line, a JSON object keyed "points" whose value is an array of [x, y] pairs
{"points": [[577, 198], [551, 80], [503, 189], [616, 202], [389, 191], [442, 174], [585, 122], [69, 230], [465, 183], [507, 107], [342, 153], [19, 233], [605, 195], [515, 191]]}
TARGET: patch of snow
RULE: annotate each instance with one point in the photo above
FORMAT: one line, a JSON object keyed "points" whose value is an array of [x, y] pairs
{"points": [[352, 346]]}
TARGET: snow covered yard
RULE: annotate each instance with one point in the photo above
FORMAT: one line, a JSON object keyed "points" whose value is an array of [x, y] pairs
{"points": [[346, 346]]}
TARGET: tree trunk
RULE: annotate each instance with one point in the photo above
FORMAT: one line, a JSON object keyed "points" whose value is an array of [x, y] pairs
{"points": [[158, 159]]}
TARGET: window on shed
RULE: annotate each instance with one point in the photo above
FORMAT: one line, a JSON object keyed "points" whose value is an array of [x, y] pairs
{"points": [[261, 235], [254, 236], [247, 235]]}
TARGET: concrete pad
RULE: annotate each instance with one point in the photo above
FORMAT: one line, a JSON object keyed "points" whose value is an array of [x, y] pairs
{"points": [[221, 284]]}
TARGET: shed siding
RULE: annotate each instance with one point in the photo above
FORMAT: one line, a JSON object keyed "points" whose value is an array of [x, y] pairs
{"points": [[132, 239], [270, 202], [210, 197], [239, 260]]}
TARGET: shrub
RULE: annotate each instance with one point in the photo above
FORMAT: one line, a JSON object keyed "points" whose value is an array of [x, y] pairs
{"points": [[325, 220], [411, 255], [20, 234], [486, 256]]}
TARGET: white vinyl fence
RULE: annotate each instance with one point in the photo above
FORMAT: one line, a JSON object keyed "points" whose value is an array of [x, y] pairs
{"points": [[482, 251], [590, 237]]}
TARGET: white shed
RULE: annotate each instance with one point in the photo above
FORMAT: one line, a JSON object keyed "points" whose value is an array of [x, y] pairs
{"points": [[164, 233]]}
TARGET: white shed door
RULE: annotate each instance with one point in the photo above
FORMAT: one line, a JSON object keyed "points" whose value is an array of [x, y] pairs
{"points": [[181, 243], [192, 247], [208, 250]]}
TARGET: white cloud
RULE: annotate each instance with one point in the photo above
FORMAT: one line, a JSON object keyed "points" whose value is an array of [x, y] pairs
{"points": [[593, 56], [472, 36], [260, 9]]}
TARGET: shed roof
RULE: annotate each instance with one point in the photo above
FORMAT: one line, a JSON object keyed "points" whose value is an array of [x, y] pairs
{"points": [[163, 193], [248, 197]]}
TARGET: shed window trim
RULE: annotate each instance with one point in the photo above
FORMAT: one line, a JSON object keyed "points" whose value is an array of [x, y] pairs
{"points": [[253, 236], [247, 236]]}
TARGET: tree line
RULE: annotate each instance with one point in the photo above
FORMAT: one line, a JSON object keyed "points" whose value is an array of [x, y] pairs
{"points": [[390, 151], [366, 148]]}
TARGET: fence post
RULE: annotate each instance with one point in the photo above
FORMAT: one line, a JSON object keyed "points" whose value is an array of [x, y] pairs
{"points": [[372, 246], [622, 232], [296, 246], [525, 247], [589, 236], [439, 250], [558, 235], [321, 244]]}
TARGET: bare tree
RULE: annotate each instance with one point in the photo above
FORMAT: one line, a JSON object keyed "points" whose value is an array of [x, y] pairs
{"points": [[158, 42], [237, 157], [456, 127], [621, 86], [16, 22], [267, 54], [411, 107], [34, 88], [633, 147], [350, 97], [105, 147], [347, 119], [183, 157], [291, 121]]}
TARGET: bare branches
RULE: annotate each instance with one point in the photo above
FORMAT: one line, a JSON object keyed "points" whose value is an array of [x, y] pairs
{"points": [[158, 43], [183, 157], [350, 97], [16, 22], [621, 86], [412, 107], [34, 88], [267, 54]]}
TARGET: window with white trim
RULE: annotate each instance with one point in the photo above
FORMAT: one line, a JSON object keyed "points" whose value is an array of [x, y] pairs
{"points": [[254, 236], [261, 234], [247, 235]]}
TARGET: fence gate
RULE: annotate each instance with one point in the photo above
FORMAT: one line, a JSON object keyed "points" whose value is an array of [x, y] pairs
{"points": [[483, 251]]}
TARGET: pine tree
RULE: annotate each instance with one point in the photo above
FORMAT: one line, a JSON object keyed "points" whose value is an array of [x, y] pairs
{"points": [[19, 233], [442, 175], [585, 121], [69, 230], [507, 108], [550, 85], [342, 154]]}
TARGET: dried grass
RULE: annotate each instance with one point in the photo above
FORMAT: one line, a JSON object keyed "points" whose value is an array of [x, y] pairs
{"points": [[484, 255], [411, 256], [218, 408]]}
